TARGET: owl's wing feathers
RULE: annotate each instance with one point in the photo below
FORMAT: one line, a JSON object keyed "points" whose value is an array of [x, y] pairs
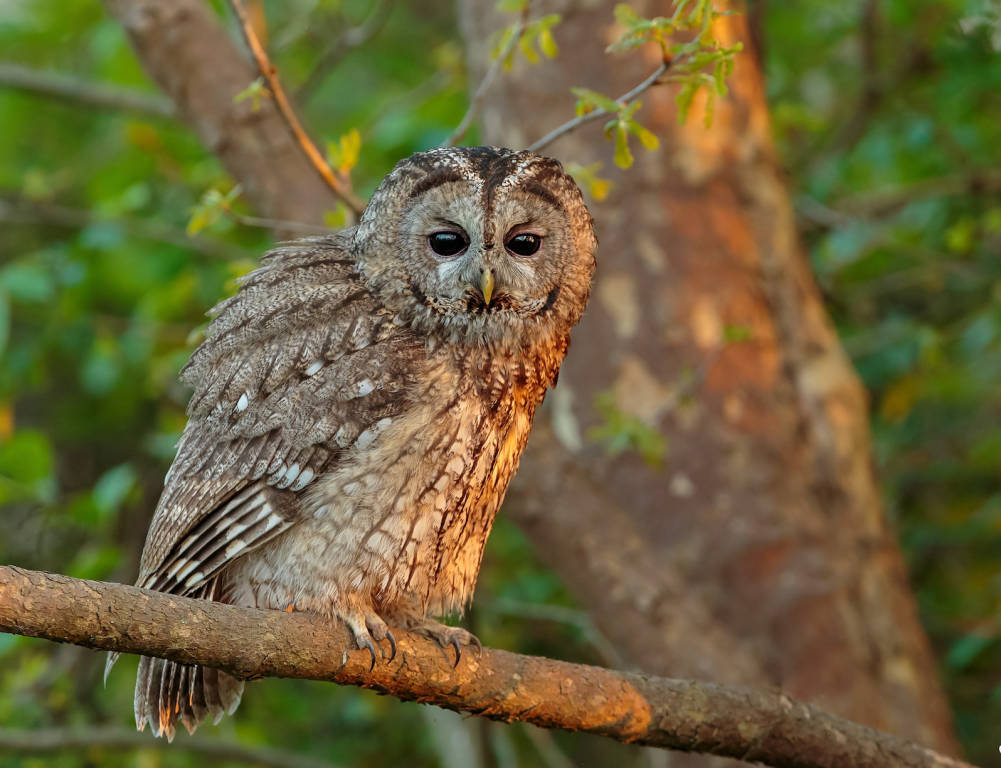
{"points": [[298, 366]]}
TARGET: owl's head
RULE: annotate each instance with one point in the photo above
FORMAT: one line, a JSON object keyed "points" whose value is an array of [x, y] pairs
{"points": [[479, 245]]}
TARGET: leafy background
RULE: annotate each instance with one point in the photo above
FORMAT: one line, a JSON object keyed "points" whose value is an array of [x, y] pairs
{"points": [[888, 118]]}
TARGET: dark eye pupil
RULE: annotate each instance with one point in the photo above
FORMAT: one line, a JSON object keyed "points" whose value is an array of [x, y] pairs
{"points": [[524, 244], [446, 243]]}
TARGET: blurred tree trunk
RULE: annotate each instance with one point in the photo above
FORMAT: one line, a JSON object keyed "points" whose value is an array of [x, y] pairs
{"points": [[759, 551]]}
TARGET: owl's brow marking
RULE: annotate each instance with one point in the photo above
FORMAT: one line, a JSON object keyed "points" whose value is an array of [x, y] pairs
{"points": [[538, 190], [435, 179]]}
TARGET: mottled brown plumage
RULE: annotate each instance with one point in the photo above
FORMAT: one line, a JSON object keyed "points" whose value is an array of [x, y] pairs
{"points": [[360, 406]]}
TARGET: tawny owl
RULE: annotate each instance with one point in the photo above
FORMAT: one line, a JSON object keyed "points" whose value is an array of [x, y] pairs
{"points": [[360, 406]]}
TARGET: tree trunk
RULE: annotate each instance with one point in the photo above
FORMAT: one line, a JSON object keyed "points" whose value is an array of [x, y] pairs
{"points": [[759, 551]]}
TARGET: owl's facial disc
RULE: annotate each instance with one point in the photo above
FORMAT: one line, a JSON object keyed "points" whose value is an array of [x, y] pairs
{"points": [[486, 245]]}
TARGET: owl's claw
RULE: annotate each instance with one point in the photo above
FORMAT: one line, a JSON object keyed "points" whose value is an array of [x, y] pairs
{"points": [[446, 636], [366, 644], [454, 642], [392, 644]]}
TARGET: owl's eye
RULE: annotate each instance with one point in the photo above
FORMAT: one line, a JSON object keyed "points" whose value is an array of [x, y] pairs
{"points": [[447, 243], [524, 244]]}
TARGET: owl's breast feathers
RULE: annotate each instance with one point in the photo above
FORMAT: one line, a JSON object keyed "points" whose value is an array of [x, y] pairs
{"points": [[408, 518], [311, 399]]}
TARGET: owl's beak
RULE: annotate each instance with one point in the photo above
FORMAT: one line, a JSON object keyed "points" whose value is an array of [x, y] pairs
{"points": [[487, 284]]}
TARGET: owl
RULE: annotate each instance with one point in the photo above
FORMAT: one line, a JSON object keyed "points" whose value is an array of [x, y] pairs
{"points": [[360, 406]]}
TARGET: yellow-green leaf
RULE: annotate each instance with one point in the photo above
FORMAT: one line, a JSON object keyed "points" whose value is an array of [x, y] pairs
{"points": [[255, 92], [547, 44], [587, 177], [344, 154], [647, 138], [528, 51], [338, 217], [623, 156], [626, 16]]}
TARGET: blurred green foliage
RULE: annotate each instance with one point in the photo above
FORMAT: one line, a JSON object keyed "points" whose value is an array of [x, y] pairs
{"points": [[888, 116]]}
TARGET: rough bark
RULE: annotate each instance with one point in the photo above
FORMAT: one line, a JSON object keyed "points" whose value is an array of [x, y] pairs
{"points": [[754, 725], [766, 519], [185, 49]]}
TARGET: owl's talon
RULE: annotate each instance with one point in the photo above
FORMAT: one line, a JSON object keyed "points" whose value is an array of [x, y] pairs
{"points": [[365, 644], [392, 645], [454, 642]]}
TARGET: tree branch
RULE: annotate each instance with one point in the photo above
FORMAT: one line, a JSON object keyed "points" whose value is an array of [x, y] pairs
{"points": [[187, 52], [577, 122], [753, 725], [121, 740], [18, 209], [83, 91], [481, 91], [268, 72], [355, 37]]}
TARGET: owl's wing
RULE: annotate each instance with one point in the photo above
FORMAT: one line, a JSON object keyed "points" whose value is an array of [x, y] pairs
{"points": [[299, 366]]}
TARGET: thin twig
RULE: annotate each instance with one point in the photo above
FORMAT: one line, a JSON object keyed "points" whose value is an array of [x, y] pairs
{"points": [[355, 37], [83, 91], [282, 225], [577, 122], [16, 209], [270, 75], [121, 740], [492, 71]]}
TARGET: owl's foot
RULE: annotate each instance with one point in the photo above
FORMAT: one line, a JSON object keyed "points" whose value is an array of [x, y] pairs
{"points": [[445, 636], [369, 630]]}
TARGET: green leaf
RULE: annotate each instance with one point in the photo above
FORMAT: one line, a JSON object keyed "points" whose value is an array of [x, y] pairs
{"points": [[647, 138], [966, 650], [26, 456], [528, 50], [685, 98], [626, 16], [593, 100], [630, 109], [4, 320], [256, 91], [587, 177], [736, 333], [27, 282], [547, 44], [512, 6], [343, 155], [503, 42], [623, 156], [337, 218], [112, 487]]}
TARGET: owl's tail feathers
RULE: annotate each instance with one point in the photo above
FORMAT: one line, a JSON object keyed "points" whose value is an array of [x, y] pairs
{"points": [[108, 664], [167, 692]]}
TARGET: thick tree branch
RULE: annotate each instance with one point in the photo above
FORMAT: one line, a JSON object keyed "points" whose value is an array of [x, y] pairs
{"points": [[120, 740], [753, 725], [270, 74], [186, 51], [74, 89]]}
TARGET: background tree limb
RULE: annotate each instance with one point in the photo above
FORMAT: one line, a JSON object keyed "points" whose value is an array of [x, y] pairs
{"points": [[42, 740], [185, 49], [753, 725], [88, 93]]}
